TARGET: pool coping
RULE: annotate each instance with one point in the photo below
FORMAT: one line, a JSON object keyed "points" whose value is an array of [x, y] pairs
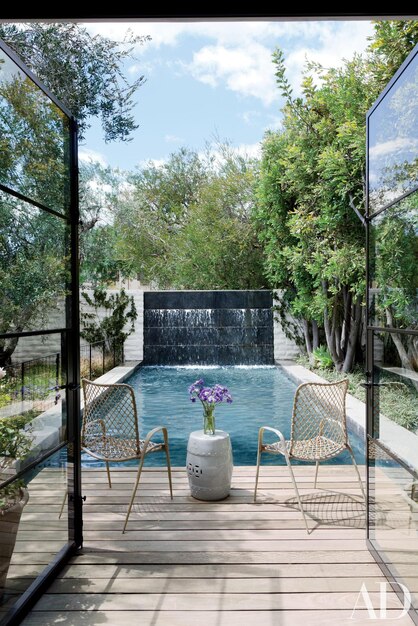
{"points": [[399, 440]]}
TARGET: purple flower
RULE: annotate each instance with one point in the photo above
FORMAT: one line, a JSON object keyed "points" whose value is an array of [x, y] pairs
{"points": [[209, 395]]}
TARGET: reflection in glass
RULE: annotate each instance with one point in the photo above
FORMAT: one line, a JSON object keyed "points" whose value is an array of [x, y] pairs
{"points": [[32, 406], [393, 519], [34, 270], [393, 269], [33, 140], [396, 396], [393, 141], [31, 528]]}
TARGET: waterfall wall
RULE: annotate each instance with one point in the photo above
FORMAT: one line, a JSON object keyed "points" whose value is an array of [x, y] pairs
{"points": [[208, 327]]}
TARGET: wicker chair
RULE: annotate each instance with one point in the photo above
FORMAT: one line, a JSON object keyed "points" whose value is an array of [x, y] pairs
{"points": [[318, 431], [110, 430]]}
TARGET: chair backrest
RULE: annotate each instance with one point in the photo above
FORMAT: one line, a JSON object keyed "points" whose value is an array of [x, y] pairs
{"points": [[319, 409], [109, 409]]}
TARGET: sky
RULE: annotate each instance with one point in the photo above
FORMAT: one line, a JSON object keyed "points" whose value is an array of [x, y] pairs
{"points": [[207, 81]]}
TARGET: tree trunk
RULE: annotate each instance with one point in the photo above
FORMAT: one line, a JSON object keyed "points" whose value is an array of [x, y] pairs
{"points": [[307, 335], [7, 347], [315, 335], [350, 353], [396, 338], [329, 331]]}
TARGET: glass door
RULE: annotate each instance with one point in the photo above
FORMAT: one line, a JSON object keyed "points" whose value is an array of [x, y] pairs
{"points": [[392, 332], [40, 500]]}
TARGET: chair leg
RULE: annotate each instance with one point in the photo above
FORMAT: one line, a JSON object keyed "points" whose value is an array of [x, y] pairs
{"points": [[289, 465], [138, 476], [257, 472], [167, 454], [316, 473], [108, 475], [63, 504], [357, 470]]}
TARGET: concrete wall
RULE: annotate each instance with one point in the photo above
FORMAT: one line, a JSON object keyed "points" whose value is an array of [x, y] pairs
{"points": [[34, 347]]}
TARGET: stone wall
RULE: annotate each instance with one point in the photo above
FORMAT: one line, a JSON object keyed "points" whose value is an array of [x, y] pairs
{"points": [[208, 327]]}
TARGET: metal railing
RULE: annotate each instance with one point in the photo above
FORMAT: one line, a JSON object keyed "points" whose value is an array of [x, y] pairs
{"points": [[98, 358], [33, 380], [39, 380]]}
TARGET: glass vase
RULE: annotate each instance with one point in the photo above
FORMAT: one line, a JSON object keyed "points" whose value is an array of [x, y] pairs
{"points": [[209, 420]]}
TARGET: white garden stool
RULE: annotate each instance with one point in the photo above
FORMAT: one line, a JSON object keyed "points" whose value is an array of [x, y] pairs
{"points": [[209, 465]]}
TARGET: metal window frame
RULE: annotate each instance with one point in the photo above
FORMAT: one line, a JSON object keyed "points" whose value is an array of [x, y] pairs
{"points": [[71, 365], [372, 395]]}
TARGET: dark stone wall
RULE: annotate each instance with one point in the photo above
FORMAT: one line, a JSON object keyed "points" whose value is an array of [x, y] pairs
{"points": [[208, 327]]}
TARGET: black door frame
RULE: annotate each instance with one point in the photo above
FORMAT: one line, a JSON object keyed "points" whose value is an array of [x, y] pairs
{"points": [[71, 366], [372, 387], [124, 14]]}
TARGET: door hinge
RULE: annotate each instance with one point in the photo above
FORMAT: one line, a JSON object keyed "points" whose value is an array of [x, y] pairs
{"points": [[70, 387], [80, 499], [370, 385]]}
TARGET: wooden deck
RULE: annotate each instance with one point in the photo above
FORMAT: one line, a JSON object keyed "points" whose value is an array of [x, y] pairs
{"points": [[190, 563]]}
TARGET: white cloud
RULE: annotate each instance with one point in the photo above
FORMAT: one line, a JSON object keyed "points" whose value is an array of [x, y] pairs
{"points": [[398, 145], [239, 56], [87, 155], [140, 69], [251, 150], [246, 70], [172, 139], [336, 43], [249, 116]]}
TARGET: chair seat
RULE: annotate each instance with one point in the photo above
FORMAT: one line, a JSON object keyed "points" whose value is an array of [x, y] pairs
{"points": [[307, 449], [116, 449]]}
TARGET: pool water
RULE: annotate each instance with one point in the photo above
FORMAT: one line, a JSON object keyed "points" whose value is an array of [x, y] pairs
{"points": [[262, 396]]}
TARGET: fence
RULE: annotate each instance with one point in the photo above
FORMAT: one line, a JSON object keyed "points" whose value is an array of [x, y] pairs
{"points": [[37, 382], [98, 358]]}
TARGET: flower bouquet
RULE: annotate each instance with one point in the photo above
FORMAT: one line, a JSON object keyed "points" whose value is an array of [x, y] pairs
{"points": [[209, 397]]}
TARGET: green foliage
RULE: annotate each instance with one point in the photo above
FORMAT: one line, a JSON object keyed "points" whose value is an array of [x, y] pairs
{"points": [[312, 174], [33, 269], [83, 71], [15, 443], [119, 320], [217, 248], [101, 190], [150, 216], [15, 440], [322, 358], [397, 400], [188, 223]]}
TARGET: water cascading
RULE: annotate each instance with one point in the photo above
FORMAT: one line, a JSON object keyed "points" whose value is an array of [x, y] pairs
{"points": [[208, 328]]}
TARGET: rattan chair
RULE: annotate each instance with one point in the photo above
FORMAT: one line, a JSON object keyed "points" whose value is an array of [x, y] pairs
{"points": [[110, 430], [318, 431]]}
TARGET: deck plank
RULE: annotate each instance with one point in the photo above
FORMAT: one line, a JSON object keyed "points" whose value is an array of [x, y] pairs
{"points": [[229, 563]]}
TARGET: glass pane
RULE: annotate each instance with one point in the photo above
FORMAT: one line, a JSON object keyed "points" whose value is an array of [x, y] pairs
{"points": [[393, 508], [396, 395], [393, 265], [34, 138], [32, 405], [34, 268], [393, 141], [32, 530]]}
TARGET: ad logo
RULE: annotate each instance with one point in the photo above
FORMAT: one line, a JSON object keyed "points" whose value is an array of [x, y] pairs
{"points": [[365, 602]]}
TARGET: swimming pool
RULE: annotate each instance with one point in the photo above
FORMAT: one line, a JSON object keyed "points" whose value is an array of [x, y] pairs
{"points": [[262, 395]]}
